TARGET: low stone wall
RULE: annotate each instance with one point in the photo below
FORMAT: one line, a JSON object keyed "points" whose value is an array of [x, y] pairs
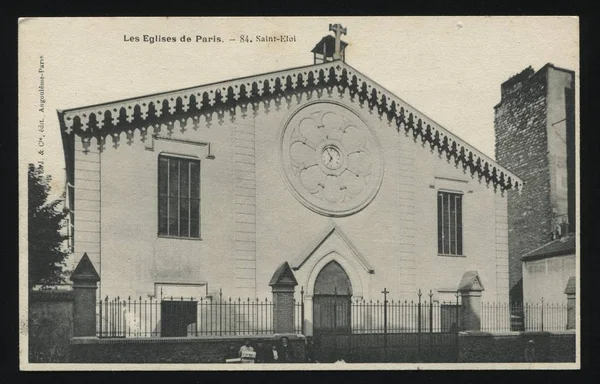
{"points": [[510, 347], [472, 347], [395, 348], [50, 325], [171, 349]]}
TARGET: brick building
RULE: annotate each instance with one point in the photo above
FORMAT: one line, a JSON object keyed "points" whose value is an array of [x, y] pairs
{"points": [[535, 138]]}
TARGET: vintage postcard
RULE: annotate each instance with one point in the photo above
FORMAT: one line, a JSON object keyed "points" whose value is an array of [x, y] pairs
{"points": [[287, 193]]}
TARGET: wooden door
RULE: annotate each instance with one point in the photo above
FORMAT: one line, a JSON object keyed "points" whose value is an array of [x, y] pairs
{"points": [[332, 300]]}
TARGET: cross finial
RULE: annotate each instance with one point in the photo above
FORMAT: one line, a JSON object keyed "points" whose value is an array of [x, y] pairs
{"points": [[339, 31], [385, 292]]}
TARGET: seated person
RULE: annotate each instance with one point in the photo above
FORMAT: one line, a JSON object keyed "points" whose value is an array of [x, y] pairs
{"points": [[270, 354], [285, 351], [247, 347]]}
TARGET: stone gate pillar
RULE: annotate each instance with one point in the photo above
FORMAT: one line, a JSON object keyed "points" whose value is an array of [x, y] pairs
{"points": [[308, 314], [570, 292], [470, 288], [283, 285], [85, 279]]}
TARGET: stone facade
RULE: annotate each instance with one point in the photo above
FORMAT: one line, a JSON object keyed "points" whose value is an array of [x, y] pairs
{"points": [[531, 130], [251, 221]]}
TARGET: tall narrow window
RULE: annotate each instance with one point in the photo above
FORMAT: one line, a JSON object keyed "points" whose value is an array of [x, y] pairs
{"points": [[449, 223], [178, 197]]}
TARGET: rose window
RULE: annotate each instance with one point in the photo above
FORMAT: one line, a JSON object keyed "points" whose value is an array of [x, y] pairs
{"points": [[331, 159]]}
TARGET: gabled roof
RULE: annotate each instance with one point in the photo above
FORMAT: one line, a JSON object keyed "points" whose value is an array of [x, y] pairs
{"points": [[256, 92], [570, 288], [320, 239], [470, 282], [85, 271], [559, 247], [283, 276]]}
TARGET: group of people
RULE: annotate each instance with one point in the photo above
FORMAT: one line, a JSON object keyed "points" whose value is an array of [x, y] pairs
{"points": [[281, 352]]}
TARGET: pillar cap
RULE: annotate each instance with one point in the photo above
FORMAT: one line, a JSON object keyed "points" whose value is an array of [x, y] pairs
{"points": [[85, 271], [570, 288], [283, 276], [470, 282]]}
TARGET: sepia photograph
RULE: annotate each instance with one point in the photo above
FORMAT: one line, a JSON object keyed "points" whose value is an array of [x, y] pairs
{"points": [[299, 193]]}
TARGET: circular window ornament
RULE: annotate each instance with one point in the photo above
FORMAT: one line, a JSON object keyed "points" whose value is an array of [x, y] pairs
{"points": [[331, 159]]}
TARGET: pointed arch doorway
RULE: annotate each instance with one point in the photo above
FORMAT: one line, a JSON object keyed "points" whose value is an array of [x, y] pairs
{"points": [[331, 301]]}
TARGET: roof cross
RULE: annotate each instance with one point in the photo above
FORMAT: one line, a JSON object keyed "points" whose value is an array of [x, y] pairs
{"points": [[339, 31]]}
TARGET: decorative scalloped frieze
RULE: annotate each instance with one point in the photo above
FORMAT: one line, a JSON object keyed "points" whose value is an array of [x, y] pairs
{"points": [[256, 91]]}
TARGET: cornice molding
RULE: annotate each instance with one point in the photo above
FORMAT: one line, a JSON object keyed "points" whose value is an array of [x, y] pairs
{"points": [[254, 92]]}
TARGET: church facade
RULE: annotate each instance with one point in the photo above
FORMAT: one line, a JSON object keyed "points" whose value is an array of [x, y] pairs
{"points": [[214, 187]]}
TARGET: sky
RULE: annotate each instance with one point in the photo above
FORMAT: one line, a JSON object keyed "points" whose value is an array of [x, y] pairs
{"points": [[449, 68]]}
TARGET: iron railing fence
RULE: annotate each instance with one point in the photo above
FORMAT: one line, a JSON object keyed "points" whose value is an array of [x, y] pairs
{"points": [[388, 316], [540, 316], [397, 316], [221, 316], [185, 317], [427, 315]]}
